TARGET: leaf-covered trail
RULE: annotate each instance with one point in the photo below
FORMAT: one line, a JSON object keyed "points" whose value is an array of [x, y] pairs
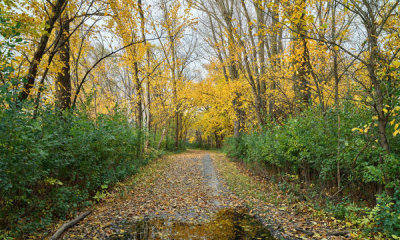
{"points": [[182, 187], [191, 188]]}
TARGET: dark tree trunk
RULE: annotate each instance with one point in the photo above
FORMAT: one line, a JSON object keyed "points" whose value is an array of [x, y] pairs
{"points": [[302, 90], [218, 140], [56, 12], [63, 82], [138, 86]]}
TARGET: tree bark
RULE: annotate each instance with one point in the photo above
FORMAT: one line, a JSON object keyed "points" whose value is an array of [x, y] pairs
{"points": [[63, 82], [336, 79], [138, 88], [56, 12], [301, 76]]}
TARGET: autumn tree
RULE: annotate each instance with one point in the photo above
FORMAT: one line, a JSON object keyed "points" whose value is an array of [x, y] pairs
{"points": [[56, 10]]}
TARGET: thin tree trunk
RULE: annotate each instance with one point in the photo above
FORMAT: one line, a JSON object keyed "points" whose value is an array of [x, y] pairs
{"points": [[148, 100], [337, 79], [164, 132], [274, 55], [138, 86]]}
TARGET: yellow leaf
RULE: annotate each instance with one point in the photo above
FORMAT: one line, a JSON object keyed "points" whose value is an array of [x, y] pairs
{"points": [[395, 133]]}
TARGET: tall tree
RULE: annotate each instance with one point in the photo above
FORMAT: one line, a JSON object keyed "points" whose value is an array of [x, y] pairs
{"points": [[63, 81], [56, 10]]}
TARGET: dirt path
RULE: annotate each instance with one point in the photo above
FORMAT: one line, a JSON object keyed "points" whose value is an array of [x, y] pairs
{"points": [[179, 188], [201, 195], [211, 178]]}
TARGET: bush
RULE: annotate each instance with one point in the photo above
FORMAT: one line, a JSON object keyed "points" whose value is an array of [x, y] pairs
{"points": [[307, 146], [51, 165], [236, 147], [385, 215]]}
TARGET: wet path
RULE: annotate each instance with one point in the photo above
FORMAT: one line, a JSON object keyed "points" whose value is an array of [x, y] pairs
{"points": [[177, 197], [211, 178]]}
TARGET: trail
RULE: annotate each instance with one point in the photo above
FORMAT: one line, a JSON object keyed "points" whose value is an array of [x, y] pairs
{"points": [[181, 189], [201, 195], [211, 178]]}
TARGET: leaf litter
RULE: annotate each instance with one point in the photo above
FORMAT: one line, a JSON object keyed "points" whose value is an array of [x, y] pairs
{"points": [[174, 187], [286, 220], [183, 191]]}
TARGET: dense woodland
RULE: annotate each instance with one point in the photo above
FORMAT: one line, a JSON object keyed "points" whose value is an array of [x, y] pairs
{"points": [[305, 91]]}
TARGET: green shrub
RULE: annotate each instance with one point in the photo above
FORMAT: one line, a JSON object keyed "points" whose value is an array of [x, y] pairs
{"points": [[50, 165], [386, 215], [344, 209], [236, 147], [309, 146], [309, 142]]}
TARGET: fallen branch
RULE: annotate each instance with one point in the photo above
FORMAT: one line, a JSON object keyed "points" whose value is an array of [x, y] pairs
{"points": [[69, 224]]}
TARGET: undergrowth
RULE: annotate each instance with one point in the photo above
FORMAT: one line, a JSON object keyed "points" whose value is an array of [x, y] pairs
{"points": [[57, 163], [302, 156]]}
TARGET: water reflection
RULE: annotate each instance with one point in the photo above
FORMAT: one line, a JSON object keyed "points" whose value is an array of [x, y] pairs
{"points": [[228, 224]]}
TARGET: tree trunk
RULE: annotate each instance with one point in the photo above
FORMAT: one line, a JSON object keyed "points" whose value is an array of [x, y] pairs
{"points": [[176, 130], [55, 13], [63, 82], [379, 101], [303, 93], [274, 55], [164, 132], [167, 134], [199, 139], [337, 79], [218, 140], [148, 100], [138, 86]]}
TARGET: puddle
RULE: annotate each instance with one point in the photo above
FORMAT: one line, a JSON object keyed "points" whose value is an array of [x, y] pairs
{"points": [[227, 224]]}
